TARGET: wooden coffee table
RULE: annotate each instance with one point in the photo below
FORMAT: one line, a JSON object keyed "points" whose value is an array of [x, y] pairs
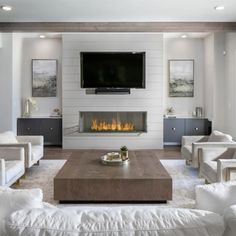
{"points": [[84, 179]]}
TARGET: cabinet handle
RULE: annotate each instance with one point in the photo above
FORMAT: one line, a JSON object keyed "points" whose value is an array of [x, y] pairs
{"points": [[28, 129], [174, 129], [196, 129], [51, 129]]}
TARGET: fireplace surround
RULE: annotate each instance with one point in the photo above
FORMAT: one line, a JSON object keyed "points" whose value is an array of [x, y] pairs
{"points": [[112, 122]]}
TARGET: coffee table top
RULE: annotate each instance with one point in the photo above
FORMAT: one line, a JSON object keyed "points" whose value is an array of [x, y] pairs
{"points": [[87, 165]]}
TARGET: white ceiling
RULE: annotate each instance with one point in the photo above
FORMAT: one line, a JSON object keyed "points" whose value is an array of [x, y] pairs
{"points": [[117, 10]]}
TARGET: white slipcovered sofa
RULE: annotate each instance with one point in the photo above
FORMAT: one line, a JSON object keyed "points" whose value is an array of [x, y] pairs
{"points": [[12, 165], [22, 213], [33, 146], [191, 146]]}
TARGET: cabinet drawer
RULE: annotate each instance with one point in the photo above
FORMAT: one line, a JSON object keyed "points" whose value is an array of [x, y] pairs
{"points": [[51, 130], [195, 126], [173, 130], [28, 127]]}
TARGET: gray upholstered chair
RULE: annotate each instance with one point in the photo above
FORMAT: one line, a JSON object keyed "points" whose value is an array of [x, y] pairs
{"points": [[12, 165], [33, 146], [218, 166], [191, 145]]}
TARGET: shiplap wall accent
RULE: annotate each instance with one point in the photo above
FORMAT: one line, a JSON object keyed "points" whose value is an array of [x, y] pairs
{"points": [[75, 99]]}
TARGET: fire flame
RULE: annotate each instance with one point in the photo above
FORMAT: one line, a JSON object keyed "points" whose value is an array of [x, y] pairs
{"points": [[113, 126]]}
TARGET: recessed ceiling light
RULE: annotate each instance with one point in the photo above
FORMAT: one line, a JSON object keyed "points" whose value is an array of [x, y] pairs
{"points": [[219, 8], [184, 36], [42, 36], [6, 8]]}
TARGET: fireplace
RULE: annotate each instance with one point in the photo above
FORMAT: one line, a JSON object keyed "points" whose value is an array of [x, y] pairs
{"points": [[112, 122]]}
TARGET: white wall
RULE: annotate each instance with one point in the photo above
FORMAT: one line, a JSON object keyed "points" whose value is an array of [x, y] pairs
{"points": [[209, 76], [0, 40], [16, 77], [149, 99], [215, 80], [6, 92], [36, 48], [219, 90], [230, 84], [190, 48]]}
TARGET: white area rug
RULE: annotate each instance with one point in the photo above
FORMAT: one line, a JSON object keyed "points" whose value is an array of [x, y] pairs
{"points": [[184, 179]]}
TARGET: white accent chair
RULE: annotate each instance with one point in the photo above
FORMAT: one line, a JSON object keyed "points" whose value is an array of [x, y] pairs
{"points": [[191, 145], [12, 165], [33, 146], [218, 165]]}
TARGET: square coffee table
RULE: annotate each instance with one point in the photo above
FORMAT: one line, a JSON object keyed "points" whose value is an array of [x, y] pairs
{"points": [[84, 178]]}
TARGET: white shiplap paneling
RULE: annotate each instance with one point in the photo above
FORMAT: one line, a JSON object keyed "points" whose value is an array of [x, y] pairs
{"points": [[150, 99]]}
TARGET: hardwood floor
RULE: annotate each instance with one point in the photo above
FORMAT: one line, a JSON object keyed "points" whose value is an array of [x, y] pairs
{"points": [[55, 153]]}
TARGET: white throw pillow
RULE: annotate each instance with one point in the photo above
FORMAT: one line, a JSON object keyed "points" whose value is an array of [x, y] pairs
{"points": [[216, 197], [12, 200], [218, 136], [8, 137], [230, 220]]}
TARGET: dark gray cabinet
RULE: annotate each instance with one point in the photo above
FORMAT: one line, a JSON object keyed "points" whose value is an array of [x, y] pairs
{"points": [[175, 128], [50, 128]]}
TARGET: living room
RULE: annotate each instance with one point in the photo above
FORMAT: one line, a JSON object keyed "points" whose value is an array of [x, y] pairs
{"points": [[132, 117]]}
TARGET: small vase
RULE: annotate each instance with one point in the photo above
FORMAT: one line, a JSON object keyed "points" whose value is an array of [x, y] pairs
{"points": [[124, 155]]}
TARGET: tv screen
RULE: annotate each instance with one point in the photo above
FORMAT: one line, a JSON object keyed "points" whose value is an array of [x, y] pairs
{"points": [[112, 69]]}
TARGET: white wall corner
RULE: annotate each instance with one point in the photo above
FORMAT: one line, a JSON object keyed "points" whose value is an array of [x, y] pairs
{"points": [[0, 40]]}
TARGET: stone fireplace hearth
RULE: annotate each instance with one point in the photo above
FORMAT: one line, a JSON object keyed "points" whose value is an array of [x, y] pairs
{"points": [[112, 122]]}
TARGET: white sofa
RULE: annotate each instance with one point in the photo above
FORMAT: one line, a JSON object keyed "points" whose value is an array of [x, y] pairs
{"points": [[117, 221], [33, 146], [22, 213], [191, 146], [12, 165]]}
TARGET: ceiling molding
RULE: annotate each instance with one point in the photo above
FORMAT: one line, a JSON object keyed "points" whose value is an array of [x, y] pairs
{"points": [[117, 26]]}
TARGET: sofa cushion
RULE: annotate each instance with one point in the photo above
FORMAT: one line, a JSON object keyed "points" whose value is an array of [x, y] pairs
{"points": [[13, 168], [119, 221], [7, 137], [216, 197], [217, 136], [16, 199]]}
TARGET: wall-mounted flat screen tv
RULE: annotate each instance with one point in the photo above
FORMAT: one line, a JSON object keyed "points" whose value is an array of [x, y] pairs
{"points": [[112, 69]]}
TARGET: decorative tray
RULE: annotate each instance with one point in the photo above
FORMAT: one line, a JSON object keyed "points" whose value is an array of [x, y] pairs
{"points": [[113, 159]]}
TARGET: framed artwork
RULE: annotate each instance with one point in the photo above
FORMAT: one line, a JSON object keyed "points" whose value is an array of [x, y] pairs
{"points": [[44, 78], [181, 78]]}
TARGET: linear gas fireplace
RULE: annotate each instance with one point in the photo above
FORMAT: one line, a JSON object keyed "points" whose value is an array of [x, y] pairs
{"points": [[117, 122]]}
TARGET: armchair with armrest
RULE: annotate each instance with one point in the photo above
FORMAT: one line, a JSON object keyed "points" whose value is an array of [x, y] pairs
{"points": [[12, 165], [192, 144], [33, 146], [217, 166]]}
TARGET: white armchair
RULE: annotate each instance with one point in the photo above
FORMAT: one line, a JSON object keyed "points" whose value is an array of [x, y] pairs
{"points": [[12, 165], [219, 167], [191, 145], [189, 151], [33, 146]]}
